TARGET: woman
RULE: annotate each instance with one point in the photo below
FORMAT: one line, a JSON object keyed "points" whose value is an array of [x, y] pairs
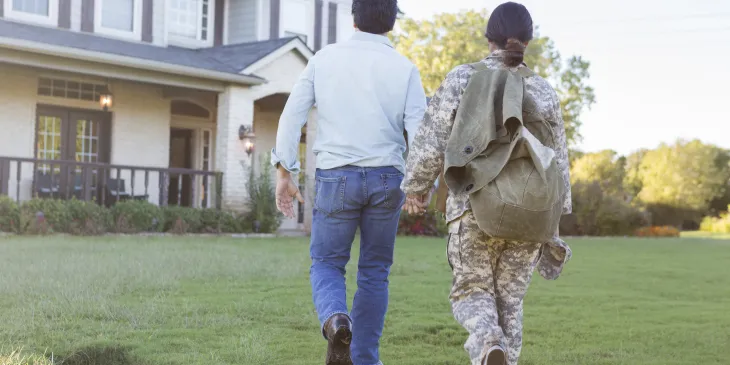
{"points": [[490, 275]]}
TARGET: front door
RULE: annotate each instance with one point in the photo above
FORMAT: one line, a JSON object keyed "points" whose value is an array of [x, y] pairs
{"points": [[70, 135], [180, 190]]}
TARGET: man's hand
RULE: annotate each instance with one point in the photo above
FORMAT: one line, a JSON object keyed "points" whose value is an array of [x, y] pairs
{"points": [[417, 204], [286, 191]]}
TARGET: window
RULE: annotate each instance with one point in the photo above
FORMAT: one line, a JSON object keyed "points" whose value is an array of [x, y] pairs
{"points": [[303, 37], [70, 89], [37, 11], [191, 22], [119, 18]]}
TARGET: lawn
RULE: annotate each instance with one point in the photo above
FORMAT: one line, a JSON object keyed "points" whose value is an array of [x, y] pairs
{"points": [[165, 300]]}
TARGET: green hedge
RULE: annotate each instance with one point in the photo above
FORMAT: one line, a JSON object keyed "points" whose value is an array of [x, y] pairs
{"points": [[719, 224], [596, 213], [47, 216]]}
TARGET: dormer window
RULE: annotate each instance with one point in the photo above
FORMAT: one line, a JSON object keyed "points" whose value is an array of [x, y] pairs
{"points": [[43, 12], [118, 18], [190, 22]]}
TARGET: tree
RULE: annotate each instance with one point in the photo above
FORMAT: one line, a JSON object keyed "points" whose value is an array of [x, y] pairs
{"points": [[438, 45], [685, 175], [605, 168], [632, 176]]}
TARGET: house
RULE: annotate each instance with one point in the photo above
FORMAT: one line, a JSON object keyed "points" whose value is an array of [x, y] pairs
{"points": [[172, 101]]}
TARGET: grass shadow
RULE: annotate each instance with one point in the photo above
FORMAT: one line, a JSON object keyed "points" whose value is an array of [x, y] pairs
{"points": [[101, 355]]}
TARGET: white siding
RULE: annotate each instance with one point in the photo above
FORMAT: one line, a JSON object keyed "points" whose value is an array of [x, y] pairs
{"points": [[345, 22], [76, 15], [138, 108], [297, 16], [241, 21], [159, 23], [17, 122]]}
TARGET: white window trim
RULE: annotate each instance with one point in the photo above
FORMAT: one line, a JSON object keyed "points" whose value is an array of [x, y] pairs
{"points": [[50, 20], [135, 34], [176, 40]]}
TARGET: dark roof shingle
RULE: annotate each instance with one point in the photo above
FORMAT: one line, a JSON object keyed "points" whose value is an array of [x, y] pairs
{"points": [[229, 59]]}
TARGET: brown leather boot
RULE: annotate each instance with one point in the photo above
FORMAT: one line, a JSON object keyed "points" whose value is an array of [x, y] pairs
{"points": [[496, 356], [338, 331]]}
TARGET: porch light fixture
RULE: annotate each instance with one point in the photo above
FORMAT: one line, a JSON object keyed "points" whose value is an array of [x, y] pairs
{"points": [[247, 136], [105, 99]]}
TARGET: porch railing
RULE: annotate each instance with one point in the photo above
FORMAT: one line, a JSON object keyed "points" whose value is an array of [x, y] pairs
{"points": [[25, 178]]}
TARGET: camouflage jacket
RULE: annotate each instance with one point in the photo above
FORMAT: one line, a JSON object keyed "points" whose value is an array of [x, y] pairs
{"points": [[426, 157]]}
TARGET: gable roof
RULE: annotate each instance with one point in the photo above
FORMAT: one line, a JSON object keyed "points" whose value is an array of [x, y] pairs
{"points": [[229, 59]]}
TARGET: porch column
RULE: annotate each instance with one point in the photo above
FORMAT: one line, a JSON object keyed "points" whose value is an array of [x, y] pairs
{"points": [[235, 108]]}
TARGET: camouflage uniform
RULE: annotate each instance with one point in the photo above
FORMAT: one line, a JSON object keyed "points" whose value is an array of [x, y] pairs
{"points": [[491, 275]]}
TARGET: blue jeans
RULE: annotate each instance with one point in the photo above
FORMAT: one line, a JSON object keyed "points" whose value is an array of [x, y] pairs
{"points": [[347, 198]]}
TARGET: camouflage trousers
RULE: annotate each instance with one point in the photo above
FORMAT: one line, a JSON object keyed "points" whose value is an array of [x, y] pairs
{"points": [[491, 277]]}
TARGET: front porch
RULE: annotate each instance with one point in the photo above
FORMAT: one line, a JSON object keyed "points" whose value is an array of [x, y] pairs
{"points": [[163, 139]]}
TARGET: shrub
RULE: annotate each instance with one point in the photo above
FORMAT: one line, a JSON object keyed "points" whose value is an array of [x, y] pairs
{"points": [[9, 215], [657, 231], [47, 216], [262, 217], [719, 224], [429, 223], [44, 216], [218, 221], [598, 214], [134, 216], [86, 218], [181, 220]]}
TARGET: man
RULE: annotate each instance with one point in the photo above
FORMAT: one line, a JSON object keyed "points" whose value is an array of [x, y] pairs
{"points": [[367, 95]]}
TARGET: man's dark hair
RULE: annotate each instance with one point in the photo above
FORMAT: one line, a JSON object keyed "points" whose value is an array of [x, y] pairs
{"points": [[375, 16]]}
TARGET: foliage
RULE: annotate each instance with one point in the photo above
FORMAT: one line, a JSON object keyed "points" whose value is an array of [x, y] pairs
{"points": [[220, 221], [604, 167], [430, 223], [87, 218], [632, 183], [9, 215], [596, 213], [44, 216], [719, 224], [181, 220], [134, 216], [686, 176], [438, 45], [262, 216], [657, 231]]}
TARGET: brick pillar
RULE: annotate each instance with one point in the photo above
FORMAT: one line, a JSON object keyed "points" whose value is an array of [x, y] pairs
{"points": [[235, 108]]}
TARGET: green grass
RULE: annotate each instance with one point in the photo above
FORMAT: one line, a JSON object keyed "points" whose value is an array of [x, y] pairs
{"points": [[164, 300], [700, 234]]}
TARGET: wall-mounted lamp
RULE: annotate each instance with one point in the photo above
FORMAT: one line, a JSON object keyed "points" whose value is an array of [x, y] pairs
{"points": [[105, 99], [247, 136]]}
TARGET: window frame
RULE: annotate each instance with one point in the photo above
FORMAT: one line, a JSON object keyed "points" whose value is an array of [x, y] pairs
{"points": [[50, 20], [135, 34], [182, 41]]}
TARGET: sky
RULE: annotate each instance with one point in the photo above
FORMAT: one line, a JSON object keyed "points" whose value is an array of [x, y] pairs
{"points": [[660, 69]]}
